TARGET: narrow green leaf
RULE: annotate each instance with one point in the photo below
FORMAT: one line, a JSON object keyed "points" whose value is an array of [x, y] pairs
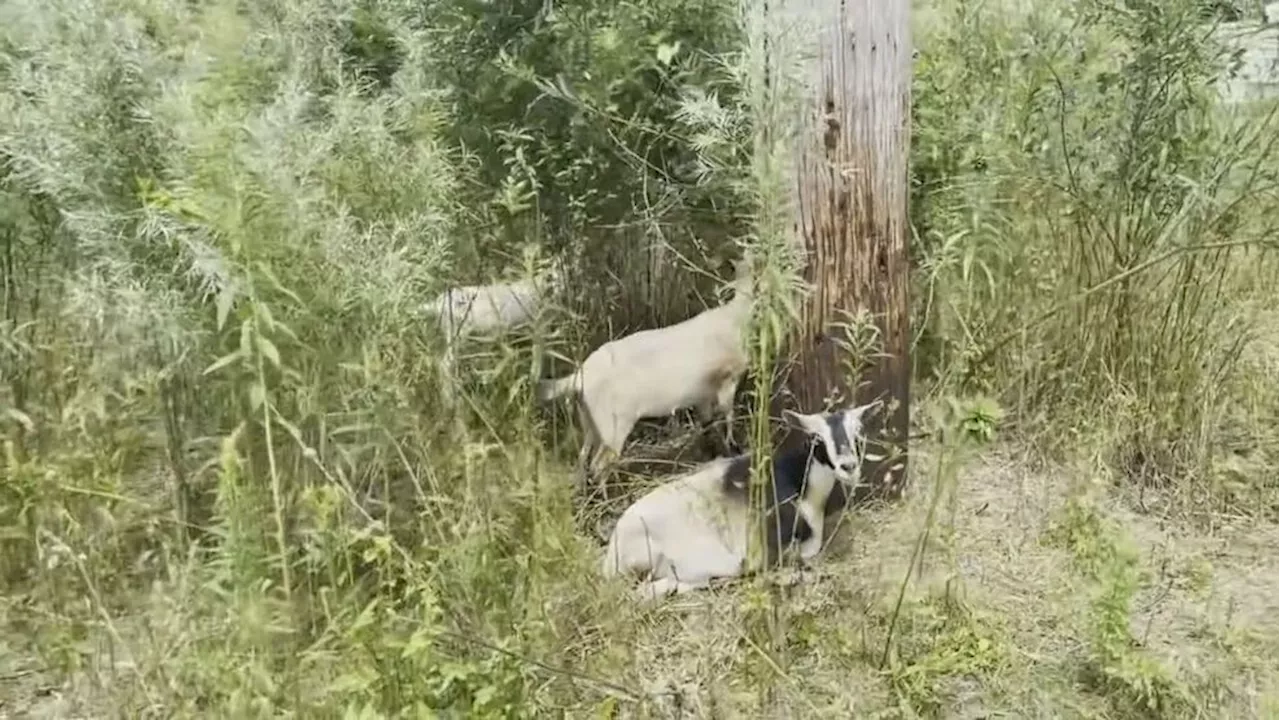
{"points": [[257, 396], [21, 418], [275, 282], [226, 299], [246, 336], [291, 429], [282, 328], [222, 362], [268, 348], [265, 316]]}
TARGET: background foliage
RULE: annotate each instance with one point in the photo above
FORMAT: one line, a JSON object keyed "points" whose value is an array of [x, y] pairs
{"points": [[230, 485]]}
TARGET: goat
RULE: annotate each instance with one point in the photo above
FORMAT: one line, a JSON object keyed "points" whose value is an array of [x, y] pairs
{"points": [[691, 530], [475, 310], [481, 309], [653, 373]]}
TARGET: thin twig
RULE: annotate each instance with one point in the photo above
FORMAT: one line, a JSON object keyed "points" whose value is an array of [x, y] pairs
{"points": [[628, 693], [915, 555], [780, 672]]}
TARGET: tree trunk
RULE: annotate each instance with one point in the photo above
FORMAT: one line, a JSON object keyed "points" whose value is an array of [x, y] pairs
{"points": [[852, 197]]}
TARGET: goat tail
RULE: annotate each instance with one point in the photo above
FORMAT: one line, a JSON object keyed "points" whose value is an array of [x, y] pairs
{"points": [[552, 389]]}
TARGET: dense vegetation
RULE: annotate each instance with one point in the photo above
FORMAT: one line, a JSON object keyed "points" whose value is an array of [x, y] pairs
{"points": [[231, 485]]}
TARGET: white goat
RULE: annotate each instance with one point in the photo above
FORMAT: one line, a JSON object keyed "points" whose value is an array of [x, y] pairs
{"points": [[694, 529], [476, 310], [652, 373], [482, 309]]}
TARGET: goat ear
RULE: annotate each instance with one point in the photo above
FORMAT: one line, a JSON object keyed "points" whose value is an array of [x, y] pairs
{"points": [[812, 424], [860, 410]]}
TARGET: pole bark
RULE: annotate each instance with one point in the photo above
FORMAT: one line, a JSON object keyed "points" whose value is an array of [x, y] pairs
{"points": [[852, 195]]}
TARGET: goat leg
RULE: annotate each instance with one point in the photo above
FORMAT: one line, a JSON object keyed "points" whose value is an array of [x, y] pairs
{"points": [[597, 467], [586, 456], [810, 548], [590, 443], [663, 587], [706, 413], [724, 399]]}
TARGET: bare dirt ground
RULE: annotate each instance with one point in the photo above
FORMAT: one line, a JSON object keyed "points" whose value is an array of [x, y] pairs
{"points": [[998, 621]]}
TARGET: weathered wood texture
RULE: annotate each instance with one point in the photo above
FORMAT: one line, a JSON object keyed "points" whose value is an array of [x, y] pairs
{"points": [[851, 185]]}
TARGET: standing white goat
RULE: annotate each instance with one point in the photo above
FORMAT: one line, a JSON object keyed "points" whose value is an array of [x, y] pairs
{"points": [[694, 529], [481, 309], [652, 373], [475, 310]]}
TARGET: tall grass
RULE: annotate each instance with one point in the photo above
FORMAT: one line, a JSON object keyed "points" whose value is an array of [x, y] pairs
{"points": [[1097, 230], [221, 237], [230, 486]]}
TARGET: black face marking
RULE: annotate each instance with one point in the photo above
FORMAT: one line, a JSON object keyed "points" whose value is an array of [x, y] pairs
{"points": [[817, 451], [839, 438], [783, 523]]}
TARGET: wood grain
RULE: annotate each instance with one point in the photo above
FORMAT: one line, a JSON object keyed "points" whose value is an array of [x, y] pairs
{"points": [[851, 195]]}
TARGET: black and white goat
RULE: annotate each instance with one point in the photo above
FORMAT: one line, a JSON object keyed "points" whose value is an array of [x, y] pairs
{"points": [[691, 530], [696, 363]]}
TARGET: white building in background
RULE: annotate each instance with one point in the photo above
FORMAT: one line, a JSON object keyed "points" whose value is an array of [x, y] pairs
{"points": [[1258, 78]]}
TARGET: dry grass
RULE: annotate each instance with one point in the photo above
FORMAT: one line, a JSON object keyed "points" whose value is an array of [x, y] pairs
{"points": [[1208, 608], [229, 488], [994, 623]]}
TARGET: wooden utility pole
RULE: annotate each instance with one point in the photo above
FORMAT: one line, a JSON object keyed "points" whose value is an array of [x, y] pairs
{"points": [[851, 186]]}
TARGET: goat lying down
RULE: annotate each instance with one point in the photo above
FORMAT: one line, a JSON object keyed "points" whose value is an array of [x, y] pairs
{"points": [[652, 373], [694, 529]]}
